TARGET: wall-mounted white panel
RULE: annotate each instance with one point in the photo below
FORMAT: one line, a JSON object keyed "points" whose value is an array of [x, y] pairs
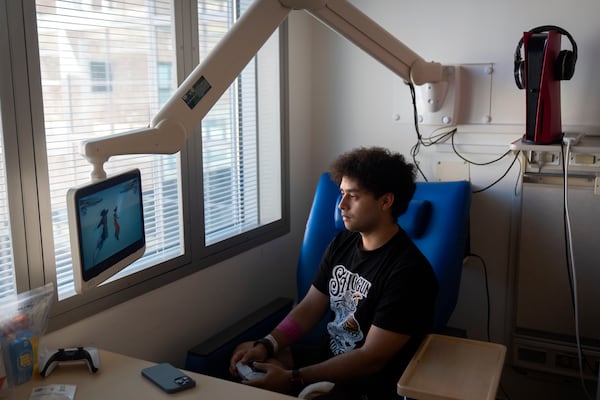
{"points": [[543, 290]]}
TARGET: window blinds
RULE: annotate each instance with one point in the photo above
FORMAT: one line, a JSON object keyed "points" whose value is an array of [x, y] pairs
{"points": [[104, 67], [229, 136]]}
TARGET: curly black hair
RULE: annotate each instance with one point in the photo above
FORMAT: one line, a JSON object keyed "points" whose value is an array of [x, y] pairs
{"points": [[378, 171]]}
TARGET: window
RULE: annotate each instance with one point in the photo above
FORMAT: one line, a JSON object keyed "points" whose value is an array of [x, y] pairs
{"points": [[233, 180], [107, 68], [165, 81], [100, 76], [125, 38]]}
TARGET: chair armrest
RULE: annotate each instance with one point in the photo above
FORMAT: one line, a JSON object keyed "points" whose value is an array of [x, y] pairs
{"points": [[211, 357]]}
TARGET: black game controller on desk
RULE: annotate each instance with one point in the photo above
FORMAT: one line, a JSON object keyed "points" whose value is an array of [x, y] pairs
{"points": [[88, 355]]}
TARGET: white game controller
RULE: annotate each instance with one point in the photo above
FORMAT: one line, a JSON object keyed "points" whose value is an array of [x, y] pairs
{"points": [[88, 355], [247, 372]]}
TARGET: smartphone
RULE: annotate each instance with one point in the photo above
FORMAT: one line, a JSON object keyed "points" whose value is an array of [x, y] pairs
{"points": [[168, 378]]}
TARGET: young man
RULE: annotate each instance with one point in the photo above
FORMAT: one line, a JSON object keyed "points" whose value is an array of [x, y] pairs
{"points": [[379, 286]]}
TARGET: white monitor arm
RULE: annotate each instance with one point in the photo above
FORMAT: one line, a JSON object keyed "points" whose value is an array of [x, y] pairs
{"points": [[192, 100]]}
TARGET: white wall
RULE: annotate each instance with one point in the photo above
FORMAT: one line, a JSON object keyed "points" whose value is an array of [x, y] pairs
{"points": [[341, 99]]}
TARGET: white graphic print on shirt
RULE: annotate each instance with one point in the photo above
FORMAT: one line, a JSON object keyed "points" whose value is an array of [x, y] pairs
{"points": [[346, 289]]}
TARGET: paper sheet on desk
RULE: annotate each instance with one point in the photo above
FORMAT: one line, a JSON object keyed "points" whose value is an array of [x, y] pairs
{"points": [[53, 392]]}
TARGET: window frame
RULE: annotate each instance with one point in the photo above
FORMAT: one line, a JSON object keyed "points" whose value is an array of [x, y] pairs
{"points": [[29, 187], [8, 119]]}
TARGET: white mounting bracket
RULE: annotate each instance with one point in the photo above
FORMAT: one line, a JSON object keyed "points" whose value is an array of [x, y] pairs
{"points": [[439, 103]]}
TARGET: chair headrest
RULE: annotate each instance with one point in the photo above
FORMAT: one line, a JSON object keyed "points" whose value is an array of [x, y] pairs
{"points": [[416, 218], [414, 221]]}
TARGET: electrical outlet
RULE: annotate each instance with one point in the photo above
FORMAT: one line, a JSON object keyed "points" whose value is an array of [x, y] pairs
{"points": [[597, 186]]}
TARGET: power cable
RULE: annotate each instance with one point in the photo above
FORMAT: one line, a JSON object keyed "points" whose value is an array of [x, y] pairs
{"points": [[571, 262], [442, 137]]}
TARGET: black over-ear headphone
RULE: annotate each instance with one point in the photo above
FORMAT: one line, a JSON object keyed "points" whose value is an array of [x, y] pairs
{"points": [[564, 65]]}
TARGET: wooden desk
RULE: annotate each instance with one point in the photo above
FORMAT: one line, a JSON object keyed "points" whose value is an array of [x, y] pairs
{"points": [[119, 377], [450, 368]]}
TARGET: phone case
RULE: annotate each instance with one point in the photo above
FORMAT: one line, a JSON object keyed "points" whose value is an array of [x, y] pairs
{"points": [[168, 378]]}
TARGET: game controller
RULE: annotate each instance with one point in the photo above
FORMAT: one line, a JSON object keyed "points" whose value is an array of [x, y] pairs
{"points": [[88, 355], [247, 372]]}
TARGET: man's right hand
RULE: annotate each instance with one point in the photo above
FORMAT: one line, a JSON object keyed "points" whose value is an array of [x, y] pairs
{"points": [[246, 352]]}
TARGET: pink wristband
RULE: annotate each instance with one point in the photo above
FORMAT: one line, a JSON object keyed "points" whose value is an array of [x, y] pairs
{"points": [[290, 329]]}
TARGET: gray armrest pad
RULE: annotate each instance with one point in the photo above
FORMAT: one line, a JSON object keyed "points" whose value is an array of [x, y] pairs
{"points": [[250, 327]]}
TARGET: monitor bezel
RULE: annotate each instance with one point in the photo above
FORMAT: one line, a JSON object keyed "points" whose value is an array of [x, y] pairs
{"points": [[84, 279]]}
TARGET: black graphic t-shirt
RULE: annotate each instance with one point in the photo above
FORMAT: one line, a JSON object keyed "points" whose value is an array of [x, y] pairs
{"points": [[392, 287]]}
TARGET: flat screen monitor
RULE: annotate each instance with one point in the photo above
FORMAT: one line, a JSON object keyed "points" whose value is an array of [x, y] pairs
{"points": [[106, 226]]}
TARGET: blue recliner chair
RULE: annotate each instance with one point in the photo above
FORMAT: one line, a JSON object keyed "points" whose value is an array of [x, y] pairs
{"points": [[437, 220]]}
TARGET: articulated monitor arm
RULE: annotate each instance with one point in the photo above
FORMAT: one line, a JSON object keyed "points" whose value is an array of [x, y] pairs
{"points": [[192, 100], [345, 19]]}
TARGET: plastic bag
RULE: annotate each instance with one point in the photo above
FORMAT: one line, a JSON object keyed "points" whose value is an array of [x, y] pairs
{"points": [[23, 320]]}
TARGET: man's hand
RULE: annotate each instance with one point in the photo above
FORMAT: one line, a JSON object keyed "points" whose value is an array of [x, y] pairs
{"points": [[276, 378], [246, 352]]}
